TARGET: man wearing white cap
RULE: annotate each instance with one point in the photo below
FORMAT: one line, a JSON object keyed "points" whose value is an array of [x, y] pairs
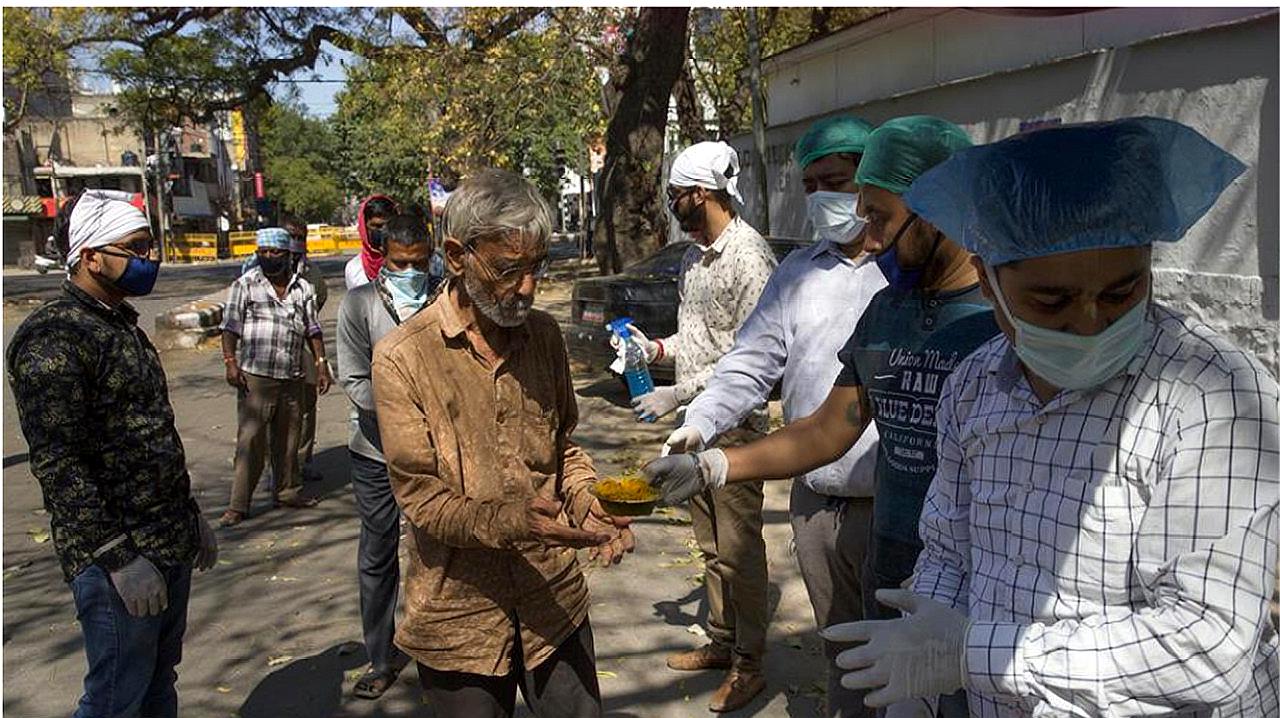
{"points": [[720, 281], [94, 408]]}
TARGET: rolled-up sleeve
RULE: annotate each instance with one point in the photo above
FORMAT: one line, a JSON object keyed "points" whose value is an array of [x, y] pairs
{"points": [[233, 312], [430, 504]]}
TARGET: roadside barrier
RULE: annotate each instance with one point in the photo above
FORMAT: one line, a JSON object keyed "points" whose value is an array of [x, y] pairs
{"points": [[322, 240]]}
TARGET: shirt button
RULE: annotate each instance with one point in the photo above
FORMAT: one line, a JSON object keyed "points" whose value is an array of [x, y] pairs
{"points": [[928, 322], [1018, 560]]}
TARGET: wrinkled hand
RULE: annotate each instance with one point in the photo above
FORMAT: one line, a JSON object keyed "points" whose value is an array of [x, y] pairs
{"points": [[657, 403], [622, 541], [141, 587], [680, 477], [682, 441], [235, 377], [543, 526], [917, 656], [649, 346], [207, 556]]}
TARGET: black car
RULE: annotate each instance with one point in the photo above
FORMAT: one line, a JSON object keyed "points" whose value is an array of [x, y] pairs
{"points": [[647, 292]]}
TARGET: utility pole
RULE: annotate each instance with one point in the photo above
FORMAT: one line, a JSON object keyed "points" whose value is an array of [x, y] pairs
{"points": [[757, 120]]}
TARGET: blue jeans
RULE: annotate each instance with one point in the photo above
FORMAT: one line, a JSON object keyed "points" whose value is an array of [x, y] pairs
{"points": [[131, 659]]}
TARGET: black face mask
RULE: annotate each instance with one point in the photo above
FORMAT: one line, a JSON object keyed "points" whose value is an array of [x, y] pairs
{"points": [[692, 220], [377, 238], [274, 266]]}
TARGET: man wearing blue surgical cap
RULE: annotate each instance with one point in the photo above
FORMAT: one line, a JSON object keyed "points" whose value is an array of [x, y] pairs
{"points": [[1101, 534]]}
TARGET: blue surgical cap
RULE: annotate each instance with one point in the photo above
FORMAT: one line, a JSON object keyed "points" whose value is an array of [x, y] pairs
{"points": [[1097, 185], [274, 238]]}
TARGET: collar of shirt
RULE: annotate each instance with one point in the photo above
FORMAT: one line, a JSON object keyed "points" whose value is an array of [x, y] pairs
{"points": [[826, 246], [122, 311], [731, 230], [256, 275]]}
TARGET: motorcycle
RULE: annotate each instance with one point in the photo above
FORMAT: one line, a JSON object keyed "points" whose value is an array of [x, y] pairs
{"points": [[50, 258]]}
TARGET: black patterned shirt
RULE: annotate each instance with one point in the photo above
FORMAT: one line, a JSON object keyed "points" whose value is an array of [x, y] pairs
{"points": [[94, 407]]}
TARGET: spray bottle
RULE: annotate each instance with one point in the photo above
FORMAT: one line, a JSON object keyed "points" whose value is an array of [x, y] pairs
{"points": [[634, 369]]}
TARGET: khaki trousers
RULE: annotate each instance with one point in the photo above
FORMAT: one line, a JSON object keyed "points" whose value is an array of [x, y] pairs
{"points": [[728, 523], [270, 419], [307, 439]]}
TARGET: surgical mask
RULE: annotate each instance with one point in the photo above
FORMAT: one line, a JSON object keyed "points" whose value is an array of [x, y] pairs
{"points": [[1076, 361], [904, 280], [139, 275], [274, 266], [834, 216], [408, 289]]}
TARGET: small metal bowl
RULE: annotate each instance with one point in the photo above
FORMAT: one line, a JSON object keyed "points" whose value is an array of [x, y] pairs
{"points": [[632, 507]]}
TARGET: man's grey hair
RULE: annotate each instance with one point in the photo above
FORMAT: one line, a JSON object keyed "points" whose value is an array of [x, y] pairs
{"points": [[495, 204]]}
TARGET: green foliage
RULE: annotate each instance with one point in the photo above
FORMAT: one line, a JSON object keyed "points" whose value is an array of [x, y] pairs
{"points": [[37, 43], [302, 162]]}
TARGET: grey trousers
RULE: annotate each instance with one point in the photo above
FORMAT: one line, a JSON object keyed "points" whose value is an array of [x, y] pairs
{"points": [[377, 560], [831, 538], [563, 686]]}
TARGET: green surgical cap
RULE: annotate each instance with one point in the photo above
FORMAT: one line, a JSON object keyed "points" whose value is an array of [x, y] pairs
{"points": [[832, 135], [904, 148]]}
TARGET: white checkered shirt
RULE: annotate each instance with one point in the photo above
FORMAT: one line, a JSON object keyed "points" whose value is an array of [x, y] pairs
{"points": [[1096, 591], [272, 331]]}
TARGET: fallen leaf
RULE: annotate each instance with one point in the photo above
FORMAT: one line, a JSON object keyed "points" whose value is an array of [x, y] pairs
{"points": [[223, 562], [278, 660], [606, 674], [223, 689], [38, 535], [696, 630], [40, 512]]}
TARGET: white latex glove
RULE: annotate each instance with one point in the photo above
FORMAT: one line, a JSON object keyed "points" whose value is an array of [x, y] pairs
{"points": [[682, 441], [657, 403], [918, 656], [207, 556], [649, 346], [141, 587], [680, 477]]}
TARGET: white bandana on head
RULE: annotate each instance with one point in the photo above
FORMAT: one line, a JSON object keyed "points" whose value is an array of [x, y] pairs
{"points": [[713, 165], [101, 217]]}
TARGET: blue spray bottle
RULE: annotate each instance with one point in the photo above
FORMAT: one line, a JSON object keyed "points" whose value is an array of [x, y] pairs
{"points": [[635, 370]]}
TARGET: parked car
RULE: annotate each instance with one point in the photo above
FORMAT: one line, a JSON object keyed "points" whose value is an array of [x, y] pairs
{"points": [[647, 292]]}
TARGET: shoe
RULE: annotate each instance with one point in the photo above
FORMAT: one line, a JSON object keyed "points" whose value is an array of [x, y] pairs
{"points": [[708, 657], [230, 518], [738, 689]]}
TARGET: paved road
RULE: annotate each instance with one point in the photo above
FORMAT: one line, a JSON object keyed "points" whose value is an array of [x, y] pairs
{"points": [[274, 628]]}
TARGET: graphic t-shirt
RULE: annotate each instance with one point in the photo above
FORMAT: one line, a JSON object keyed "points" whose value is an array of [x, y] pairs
{"points": [[904, 347]]}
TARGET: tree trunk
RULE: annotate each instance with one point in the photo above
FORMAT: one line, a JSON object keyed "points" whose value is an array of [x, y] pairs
{"points": [[633, 217], [757, 123]]}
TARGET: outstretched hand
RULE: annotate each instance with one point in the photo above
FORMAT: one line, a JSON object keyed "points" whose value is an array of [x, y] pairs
{"points": [[622, 541], [543, 526]]}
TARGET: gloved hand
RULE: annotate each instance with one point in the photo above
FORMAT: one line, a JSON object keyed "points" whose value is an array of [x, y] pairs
{"points": [[649, 346], [141, 587], [680, 477], [918, 656], [207, 556], [682, 441], [657, 403]]}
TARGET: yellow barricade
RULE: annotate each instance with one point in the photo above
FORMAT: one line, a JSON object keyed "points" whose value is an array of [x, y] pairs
{"points": [[243, 243], [322, 239], [348, 239], [194, 248]]}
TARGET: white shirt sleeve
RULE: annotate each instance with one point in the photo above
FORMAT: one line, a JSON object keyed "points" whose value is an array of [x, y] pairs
{"points": [[942, 569]]}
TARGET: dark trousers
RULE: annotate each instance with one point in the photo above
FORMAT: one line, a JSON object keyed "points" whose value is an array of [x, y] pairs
{"points": [[132, 660], [378, 560], [831, 536], [563, 686], [889, 564], [269, 416]]}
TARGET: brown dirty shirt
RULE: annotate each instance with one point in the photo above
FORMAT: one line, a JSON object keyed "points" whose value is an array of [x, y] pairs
{"points": [[467, 446]]}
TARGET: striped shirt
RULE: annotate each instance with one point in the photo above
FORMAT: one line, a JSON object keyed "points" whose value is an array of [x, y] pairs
{"points": [[1114, 548], [272, 331]]}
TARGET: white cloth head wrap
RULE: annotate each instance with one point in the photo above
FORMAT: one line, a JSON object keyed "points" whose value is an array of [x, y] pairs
{"points": [[713, 165], [102, 217]]}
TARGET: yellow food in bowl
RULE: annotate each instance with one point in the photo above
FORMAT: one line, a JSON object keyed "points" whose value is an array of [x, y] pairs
{"points": [[625, 489]]}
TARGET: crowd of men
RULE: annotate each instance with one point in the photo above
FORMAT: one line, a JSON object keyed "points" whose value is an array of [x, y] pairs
{"points": [[1020, 485]]}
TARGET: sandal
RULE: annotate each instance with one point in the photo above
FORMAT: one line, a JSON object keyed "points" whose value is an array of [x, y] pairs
{"points": [[297, 502], [230, 518], [374, 683]]}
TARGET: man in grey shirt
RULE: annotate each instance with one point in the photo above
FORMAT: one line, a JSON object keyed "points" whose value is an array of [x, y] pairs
{"points": [[804, 316], [368, 313]]}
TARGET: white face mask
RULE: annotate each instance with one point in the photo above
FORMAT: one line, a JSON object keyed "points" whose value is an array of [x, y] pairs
{"points": [[834, 216]]}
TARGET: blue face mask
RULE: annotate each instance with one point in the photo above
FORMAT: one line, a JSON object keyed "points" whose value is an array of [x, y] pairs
{"points": [[139, 275], [903, 280], [408, 289], [1076, 361]]}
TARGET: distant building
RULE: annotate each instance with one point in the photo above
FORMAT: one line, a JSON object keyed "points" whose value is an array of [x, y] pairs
{"points": [[998, 71]]}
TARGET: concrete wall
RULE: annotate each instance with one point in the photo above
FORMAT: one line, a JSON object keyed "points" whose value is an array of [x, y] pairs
{"points": [[1220, 80]]}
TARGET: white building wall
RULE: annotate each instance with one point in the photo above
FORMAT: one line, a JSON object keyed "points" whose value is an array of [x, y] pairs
{"points": [[1220, 80]]}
